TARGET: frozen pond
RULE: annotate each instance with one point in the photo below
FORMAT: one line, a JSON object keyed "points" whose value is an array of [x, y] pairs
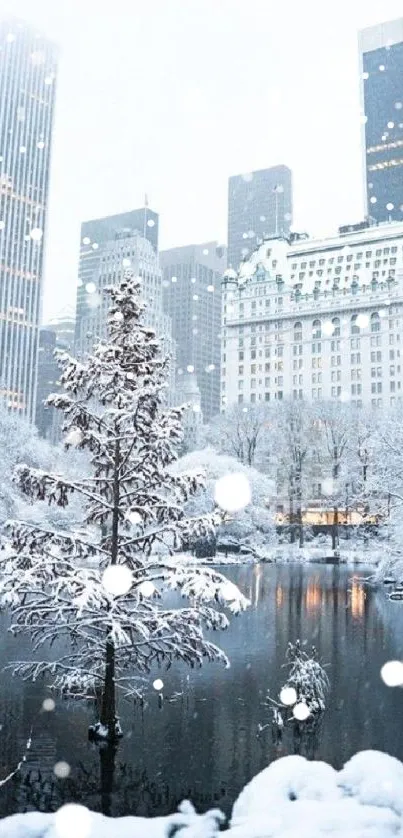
{"points": [[202, 743]]}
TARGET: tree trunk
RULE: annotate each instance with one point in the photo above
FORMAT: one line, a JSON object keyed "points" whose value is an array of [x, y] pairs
{"points": [[335, 528], [108, 705], [291, 516], [107, 756], [299, 511]]}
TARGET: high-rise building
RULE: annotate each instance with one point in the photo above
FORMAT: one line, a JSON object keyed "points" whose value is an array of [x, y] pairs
{"points": [[259, 205], [381, 90], [28, 65], [104, 262], [143, 221], [57, 334], [317, 319], [192, 298]]}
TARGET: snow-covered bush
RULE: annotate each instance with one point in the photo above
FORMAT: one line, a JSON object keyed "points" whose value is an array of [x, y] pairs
{"points": [[253, 525], [304, 692]]}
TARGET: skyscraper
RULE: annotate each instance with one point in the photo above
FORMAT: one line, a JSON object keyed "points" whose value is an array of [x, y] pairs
{"points": [[103, 261], [144, 221], [27, 93], [192, 298], [57, 334], [259, 205], [381, 89]]}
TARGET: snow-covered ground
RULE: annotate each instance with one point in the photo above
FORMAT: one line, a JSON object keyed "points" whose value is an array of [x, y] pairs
{"points": [[292, 798], [348, 553]]}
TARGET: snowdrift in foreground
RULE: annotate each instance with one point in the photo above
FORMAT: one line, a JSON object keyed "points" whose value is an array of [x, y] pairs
{"points": [[292, 798]]}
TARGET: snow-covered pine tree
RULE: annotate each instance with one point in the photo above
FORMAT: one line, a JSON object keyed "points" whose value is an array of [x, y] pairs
{"points": [[110, 613]]}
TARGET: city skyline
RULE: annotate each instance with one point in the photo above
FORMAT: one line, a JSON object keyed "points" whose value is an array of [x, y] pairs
{"points": [[198, 114]]}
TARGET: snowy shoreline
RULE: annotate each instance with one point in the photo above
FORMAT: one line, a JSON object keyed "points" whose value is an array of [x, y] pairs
{"points": [[289, 554], [292, 796]]}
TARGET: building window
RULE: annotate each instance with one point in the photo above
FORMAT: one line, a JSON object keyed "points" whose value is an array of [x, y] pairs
{"points": [[375, 322], [355, 330], [240, 398], [336, 324], [316, 330], [297, 331]]}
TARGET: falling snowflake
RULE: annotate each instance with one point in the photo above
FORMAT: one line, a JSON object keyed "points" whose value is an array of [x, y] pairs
{"points": [[48, 705], [86, 240], [205, 251], [174, 278], [150, 222], [40, 145], [232, 492], [2, 225], [36, 234], [210, 288], [288, 696], [328, 328], [190, 368], [392, 673], [117, 579], [247, 177], [301, 712], [62, 770], [90, 287], [146, 588], [158, 684], [362, 321], [126, 263], [390, 207]]}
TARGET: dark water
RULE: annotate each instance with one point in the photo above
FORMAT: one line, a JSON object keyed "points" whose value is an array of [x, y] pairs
{"points": [[203, 744]]}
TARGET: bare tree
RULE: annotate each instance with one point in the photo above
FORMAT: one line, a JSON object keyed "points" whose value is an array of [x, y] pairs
{"points": [[240, 431], [333, 422], [292, 442]]}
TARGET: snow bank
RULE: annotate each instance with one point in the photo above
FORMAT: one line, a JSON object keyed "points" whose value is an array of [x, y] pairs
{"points": [[291, 798], [294, 797]]}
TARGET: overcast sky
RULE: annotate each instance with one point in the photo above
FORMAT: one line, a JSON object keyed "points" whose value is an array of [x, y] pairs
{"points": [[170, 97]]}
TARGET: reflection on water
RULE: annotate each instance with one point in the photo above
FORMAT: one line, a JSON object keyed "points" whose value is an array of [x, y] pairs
{"points": [[203, 742]]}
